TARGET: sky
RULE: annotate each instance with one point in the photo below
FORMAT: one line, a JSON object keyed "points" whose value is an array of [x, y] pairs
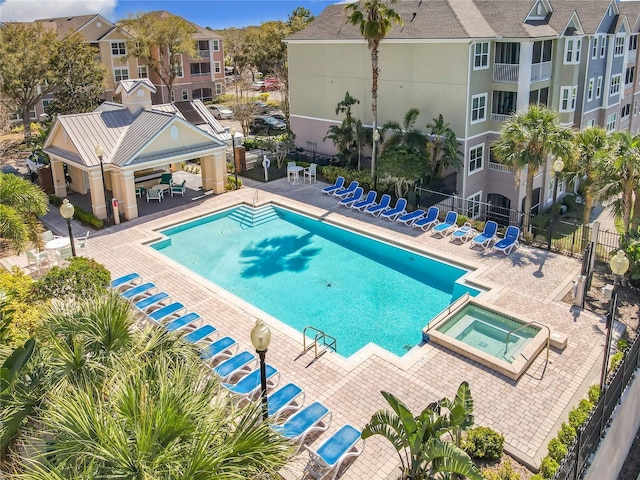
{"points": [[216, 14]]}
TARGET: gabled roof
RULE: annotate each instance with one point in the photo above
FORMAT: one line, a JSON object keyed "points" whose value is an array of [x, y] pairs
{"points": [[632, 11], [129, 85], [200, 32], [196, 112], [67, 25]]}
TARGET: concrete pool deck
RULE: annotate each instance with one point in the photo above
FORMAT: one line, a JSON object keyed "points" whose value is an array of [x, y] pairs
{"points": [[529, 283]]}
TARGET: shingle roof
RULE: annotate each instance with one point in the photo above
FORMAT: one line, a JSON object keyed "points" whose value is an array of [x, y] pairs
{"points": [[200, 32], [66, 25]]}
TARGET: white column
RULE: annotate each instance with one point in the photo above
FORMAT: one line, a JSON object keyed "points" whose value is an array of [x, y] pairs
{"points": [[524, 75]]}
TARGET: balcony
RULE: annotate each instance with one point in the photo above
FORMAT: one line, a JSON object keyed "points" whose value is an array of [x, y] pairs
{"points": [[498, 117], [204, 54], [506, 72], [498, 167], [540, 71]]}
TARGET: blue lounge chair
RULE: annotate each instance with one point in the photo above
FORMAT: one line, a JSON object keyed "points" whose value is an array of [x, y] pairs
{"points": [[146, 304], [125, 281], [333, 451], [464, 233], [312, 418], [139, 291], [367, 202], [249, 384], [345, 192], [286, 398], [336, 186], [395, 212], [429, 220], [221, 348], [233, 365], [202, 334], [409, 218], [380, 207], [487, 236], [449, 225], [166, 313], [510, 240], [188, 320], [353, 198]]}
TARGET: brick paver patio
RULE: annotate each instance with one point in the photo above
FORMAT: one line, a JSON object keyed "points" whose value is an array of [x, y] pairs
{"points": [[528, 282]]}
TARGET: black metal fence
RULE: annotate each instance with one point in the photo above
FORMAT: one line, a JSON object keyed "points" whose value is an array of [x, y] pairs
{"points": [[589, 435]]}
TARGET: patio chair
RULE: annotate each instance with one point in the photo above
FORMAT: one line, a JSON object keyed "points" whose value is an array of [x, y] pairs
{"points": [[153, 302], [205, 333], [167, 313], [155, 194], [140, 191], [249, 384], [311, 173], [443, 229], [380, 207], [187, 321], [345, 192], [510, 240], [336, 186], [487, 236], [395, 212], [367, 202], [429, 220], [125, 281], [81, 244], [464, 233], [290, 173], [312, 418], [289, 397], [64, 254], [167, 178], [409, 218], [37, 260], [139, 291], [178, 189], [353, 198], [47, 236], [222, 348], [333, 451], [240, 362]]}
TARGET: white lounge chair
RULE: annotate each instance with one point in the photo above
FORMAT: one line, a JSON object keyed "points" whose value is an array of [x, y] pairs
{"points": [[333, 451]]}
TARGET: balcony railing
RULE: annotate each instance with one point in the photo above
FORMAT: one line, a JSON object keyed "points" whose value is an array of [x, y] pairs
{"points": [[506, 72], [499, 117], [498, 167], [540, 71], [203, 53]]}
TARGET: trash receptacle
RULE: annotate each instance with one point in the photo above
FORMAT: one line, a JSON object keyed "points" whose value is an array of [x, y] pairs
{"points": [[578, 291]]}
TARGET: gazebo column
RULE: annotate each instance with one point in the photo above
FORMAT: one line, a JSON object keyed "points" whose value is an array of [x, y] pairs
{"points": [[127, 199], [98, 205], [214, 172], [59, 183]]}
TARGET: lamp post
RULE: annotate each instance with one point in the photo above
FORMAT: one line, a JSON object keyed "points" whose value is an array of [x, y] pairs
{"points": [[619, 265], [260, 338], [67, 210], [100, 153], [557, 166], [374, 153], [232, 131]]}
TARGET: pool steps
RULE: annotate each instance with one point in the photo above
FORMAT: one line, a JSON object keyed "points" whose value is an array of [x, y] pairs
{"points": [[250, 217]]}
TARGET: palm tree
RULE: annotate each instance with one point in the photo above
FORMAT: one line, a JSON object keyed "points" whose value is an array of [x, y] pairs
{"points": [[21, 203], [527, 140], [406, 133], [443, 146], [374, 18]]}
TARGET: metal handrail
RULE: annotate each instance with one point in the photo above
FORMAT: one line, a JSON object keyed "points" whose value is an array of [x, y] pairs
{"points": [[463, 299], [320, 335], [253, 211], [506, 345]]}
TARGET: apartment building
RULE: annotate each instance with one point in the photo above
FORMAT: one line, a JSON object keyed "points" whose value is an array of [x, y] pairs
{"points": [[475, 62], [201, 77]]}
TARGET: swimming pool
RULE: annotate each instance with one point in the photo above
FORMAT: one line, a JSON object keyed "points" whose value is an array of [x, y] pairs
{"points": [[303, 272]]}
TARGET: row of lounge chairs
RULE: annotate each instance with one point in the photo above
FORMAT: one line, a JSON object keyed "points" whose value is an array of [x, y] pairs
{"points": [[239, 375]]}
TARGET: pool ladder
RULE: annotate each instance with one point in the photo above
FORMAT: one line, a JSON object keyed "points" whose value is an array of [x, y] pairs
{"points": [[328, 342], [533, 322]]}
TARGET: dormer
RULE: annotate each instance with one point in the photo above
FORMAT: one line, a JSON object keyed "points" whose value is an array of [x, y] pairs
{"points": [[136, 94], [539, 11]]}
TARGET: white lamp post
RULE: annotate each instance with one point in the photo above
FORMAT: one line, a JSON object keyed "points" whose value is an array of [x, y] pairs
{"points": [[67, 210], [374, 153], [260, 338]]}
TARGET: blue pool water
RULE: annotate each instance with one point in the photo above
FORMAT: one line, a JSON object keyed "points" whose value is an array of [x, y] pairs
{"points": [[306, 272]]}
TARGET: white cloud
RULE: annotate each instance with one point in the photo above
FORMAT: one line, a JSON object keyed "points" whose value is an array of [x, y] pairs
{"points": [[29, 10]]}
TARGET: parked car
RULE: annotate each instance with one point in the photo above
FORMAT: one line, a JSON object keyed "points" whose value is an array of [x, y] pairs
{"points": [[257, 85], [279, 115], [269, 84], [262, 108], [267, 125], [221, 112]]}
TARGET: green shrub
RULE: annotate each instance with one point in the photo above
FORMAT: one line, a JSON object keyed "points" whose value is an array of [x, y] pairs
{"points": [[616, 360], [540, 222], [26, 313], [330, 174], [537, 476], [225, 98], [585, 405], [462, 219], [580, 414], [567, 434], [479, 225], [594, 393], [548, 467], [83, 277], [622, 344], [557, 449], [79, 214], [505, 472], [570, 201], [231, 183], [483, 442]]}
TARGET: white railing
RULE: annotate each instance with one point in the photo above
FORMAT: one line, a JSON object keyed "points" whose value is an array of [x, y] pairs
{"points": [[540, 71], [506, 72], [498, 117], [500, 167]]}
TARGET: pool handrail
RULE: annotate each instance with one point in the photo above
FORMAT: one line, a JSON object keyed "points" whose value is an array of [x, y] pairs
{"points": [[320, 335], [506, 345], [457, 303]]}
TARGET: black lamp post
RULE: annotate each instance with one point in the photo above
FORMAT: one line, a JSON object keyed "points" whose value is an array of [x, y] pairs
{"points": [[260, 338], [619, 264], [232, 131], [100, 153], [558, 166], [374, 153], [67, 210]]}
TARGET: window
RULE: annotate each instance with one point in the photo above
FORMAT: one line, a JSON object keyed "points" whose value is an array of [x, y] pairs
{"points": [[504, 103], [603, 46], [17, 114], [216, 67], [203, 47], [599, 87], [185, 94], [173, 96], [591, 123], [121, 74], [572, 50], [542, 51], [476, 154], [615, 84], [508, 53], [118, 48], [218, 88], [618, 47], [203, 68], [481, 56], [568, 98], [626, 109], [45, 102], [473, 205], [216, 45], [611, 122], [550, 190], [635, 108], [629, 75], [142, 72], [633, 42], [479, 108], [203, 94], [539, 97], [590, 89], [594, 48]]}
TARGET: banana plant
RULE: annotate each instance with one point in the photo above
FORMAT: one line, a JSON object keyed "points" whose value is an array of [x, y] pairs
{"points": [[460, 412]]}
